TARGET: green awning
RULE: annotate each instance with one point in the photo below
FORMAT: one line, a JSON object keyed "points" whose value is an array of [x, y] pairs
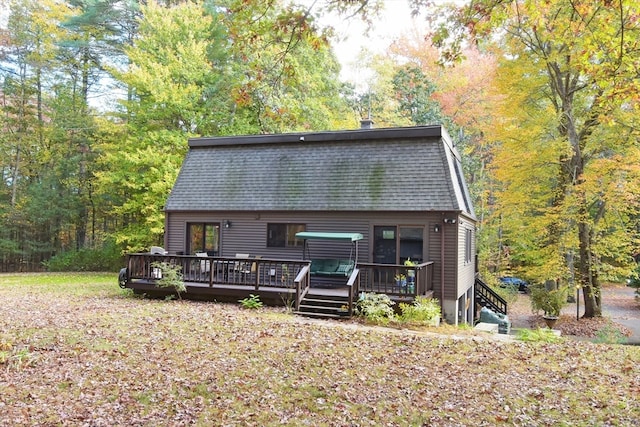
{"points": [[310, 235]]}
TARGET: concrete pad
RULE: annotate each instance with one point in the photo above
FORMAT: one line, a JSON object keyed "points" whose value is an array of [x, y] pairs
{"points": [[492, 328]]}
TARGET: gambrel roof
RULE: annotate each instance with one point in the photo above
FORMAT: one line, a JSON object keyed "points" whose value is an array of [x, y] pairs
{"points": [[393, 169]]}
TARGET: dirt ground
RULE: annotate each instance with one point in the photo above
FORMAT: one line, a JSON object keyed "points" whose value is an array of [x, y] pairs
{"points": [[621, 316]]}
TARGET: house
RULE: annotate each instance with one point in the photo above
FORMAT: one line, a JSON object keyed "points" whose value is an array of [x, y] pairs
{"points": [[243, 199]]}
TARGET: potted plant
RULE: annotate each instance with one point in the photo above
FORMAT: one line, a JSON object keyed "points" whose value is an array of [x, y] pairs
{"points": [[549, 301], [401, 281], [411, 275]]}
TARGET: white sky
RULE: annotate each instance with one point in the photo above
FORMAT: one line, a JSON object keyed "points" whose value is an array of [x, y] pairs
{"points": [[394, 19]]}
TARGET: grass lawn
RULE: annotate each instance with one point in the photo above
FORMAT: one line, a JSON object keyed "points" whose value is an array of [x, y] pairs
{"points": [[77, 350]]}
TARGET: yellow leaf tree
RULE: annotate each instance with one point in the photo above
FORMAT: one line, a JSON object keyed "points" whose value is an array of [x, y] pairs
{"points": [[566, 146]]}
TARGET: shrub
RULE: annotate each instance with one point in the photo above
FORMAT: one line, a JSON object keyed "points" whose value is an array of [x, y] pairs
{"points": [[610, 335], [538, 335], [251, 302], [106, 258], [171, 277], [376, 308], [634, 279], [549, 301], [423, 310]]}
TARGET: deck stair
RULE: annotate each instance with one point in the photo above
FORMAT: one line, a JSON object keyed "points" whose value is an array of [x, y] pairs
{"points": [[323, 306], [487, 297]]}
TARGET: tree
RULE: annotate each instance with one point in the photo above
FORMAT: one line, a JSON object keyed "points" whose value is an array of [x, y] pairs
{"points": [[285, 76], [28, 59], [566, 149], [198, 68]]}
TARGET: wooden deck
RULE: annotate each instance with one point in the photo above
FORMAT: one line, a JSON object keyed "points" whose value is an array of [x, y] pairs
{"points": [[275, 281]]}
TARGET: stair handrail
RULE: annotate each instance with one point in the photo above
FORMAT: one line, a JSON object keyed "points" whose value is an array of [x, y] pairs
{"points": [[354, 287], [490, 297], [302, 283]]}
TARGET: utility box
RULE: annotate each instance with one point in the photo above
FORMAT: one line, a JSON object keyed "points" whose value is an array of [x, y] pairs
{"points": [[490, 316]]}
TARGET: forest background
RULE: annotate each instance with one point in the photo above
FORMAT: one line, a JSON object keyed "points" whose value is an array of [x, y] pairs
{"points": [[99, 97]]}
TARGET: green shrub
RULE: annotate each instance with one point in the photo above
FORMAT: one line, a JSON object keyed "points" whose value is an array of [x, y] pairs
{"points": [[171, 277], [251, 302], [538, 335], [610, 335], [106, 258], [423, 310], [549, 301], [634, 280], [375, 308]]}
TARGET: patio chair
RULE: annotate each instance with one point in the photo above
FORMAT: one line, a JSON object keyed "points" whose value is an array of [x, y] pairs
{"points": [[243, 267], [205, 265]]}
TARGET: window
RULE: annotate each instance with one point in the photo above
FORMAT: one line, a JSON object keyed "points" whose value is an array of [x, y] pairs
{"points": [[203, 237], [283, 235], [468, 246], [411, 243]]}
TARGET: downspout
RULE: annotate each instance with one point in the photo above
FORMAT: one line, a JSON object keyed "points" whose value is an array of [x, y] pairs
{"points": [[442, 272], [165, 238]]}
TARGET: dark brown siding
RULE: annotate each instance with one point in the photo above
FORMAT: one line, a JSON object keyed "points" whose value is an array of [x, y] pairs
{"points": [[248, 231], [466, 270], [248, 234]]}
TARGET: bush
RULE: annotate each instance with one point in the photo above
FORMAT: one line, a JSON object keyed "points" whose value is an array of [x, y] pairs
{"points": [[509, 293], [538, 335], [106, 258], [549, 301], [251, 302], [423, 310], [171, 277], [610, 335], [375, 308], [634, 280]]}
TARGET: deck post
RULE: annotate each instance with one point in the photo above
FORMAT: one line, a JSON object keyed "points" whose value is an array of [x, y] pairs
{"points": [[257, 264]]}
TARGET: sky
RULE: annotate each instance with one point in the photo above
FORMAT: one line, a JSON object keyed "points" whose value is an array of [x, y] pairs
{"points": [[393, 21]]}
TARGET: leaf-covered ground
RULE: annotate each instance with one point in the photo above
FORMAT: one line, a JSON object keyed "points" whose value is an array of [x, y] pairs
{"points": [[75, 350]]}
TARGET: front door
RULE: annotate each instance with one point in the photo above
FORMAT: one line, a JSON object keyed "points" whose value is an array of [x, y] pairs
{"points": [[384, 244], [394, 245]]}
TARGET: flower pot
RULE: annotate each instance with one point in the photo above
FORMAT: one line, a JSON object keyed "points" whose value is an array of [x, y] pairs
{"points": [[550, 321]]}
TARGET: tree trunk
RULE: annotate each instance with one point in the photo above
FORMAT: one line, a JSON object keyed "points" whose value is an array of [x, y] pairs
{"points": [[588, 279]]}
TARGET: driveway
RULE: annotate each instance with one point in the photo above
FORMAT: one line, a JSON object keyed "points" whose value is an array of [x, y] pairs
{"points": [[621, 305], [618, 303]]}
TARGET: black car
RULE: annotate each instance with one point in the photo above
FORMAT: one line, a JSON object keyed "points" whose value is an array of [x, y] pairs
{"points": [[515, 283]]}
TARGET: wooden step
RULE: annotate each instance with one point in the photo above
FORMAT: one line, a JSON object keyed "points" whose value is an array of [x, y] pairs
{"points": [[323, 306], [320, 315]]}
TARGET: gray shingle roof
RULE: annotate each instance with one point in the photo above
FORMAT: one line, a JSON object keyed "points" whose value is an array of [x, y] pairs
{"points": [[398, 169]]}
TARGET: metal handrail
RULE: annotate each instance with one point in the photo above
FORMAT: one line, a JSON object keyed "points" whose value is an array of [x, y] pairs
{"points": [[490, 297]]}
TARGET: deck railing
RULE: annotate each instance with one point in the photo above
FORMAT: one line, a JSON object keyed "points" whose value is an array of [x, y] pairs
{"points": [[280, 275], [250, 272], [396, 280]]}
